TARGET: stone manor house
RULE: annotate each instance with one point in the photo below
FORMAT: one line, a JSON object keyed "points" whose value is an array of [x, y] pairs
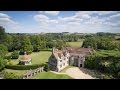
{"points": [[68, 56]]}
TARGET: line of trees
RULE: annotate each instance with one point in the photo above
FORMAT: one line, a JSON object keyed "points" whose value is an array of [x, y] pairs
{"points": [[34, 43], [102, 42]]}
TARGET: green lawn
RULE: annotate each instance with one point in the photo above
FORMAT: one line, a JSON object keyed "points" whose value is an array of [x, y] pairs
{"points": [[76, 44], [64, 70], [37, 57], [40, 57], [107, 53], [50, 75]]}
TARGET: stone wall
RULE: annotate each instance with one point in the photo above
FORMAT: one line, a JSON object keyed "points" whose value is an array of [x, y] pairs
{"points": [[31, 73]]}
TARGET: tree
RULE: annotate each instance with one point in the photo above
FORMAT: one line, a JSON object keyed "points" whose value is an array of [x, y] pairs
{"points": [[15, 55], [16, 42], [36, 42], [43, 45], [90, 42], [8, 41], [2, 34], [26, 45], [3, 50], [50, 44], [2, 63]]}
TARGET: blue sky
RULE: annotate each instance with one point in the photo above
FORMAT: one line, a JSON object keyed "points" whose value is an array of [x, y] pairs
{"points": [[60, 21]]}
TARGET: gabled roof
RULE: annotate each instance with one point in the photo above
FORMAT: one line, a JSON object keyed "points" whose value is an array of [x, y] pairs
{"points": [[73, 51]]}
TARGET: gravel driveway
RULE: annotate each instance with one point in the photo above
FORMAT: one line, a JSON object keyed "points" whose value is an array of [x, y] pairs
{"points": [[76, 73]]}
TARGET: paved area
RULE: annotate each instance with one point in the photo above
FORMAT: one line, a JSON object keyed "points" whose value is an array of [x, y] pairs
{"points": [[76, 73]]}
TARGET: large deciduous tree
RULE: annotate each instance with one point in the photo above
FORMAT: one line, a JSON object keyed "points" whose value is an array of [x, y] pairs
{"points": [[26, 45]]}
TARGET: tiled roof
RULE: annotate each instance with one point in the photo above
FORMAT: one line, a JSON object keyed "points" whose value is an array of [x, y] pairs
{"points": [[25, 57], [73, 51], [77, 50]]}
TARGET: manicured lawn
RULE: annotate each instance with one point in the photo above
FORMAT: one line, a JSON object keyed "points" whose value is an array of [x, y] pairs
{"points": [[76, 44], [107, 53], [40, 57], [50, 75], [37, 57]]}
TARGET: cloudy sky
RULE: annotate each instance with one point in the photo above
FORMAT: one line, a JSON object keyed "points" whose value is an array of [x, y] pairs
{"points": [[60, 21]]}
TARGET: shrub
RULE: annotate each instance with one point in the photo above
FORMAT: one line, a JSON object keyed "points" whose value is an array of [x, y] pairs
{"points": [[7, 57], [9, 63], [15, 55], [21, 63], [24, 67], [11, 75], [46, 68], [21, 52], [2, 63]]}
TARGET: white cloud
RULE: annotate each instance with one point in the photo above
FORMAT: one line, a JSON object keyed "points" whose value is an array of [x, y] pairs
{"points": [[40, 11], [82, 21], [105, 12], [2, 15], [80, 13], [41, 18], [7, 22], [51, 13], [44, 20]]}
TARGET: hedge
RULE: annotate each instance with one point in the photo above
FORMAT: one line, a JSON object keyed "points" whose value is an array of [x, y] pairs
{"points": [[98, 63], [45, 49], [24, 67]]}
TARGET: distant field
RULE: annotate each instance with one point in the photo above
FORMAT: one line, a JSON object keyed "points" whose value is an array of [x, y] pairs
{"points": [[76, 44], [50, 75], [37, 57]]}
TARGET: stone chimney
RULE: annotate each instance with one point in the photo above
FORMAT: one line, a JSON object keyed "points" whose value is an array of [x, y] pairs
{"points": [[53, 50]]}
